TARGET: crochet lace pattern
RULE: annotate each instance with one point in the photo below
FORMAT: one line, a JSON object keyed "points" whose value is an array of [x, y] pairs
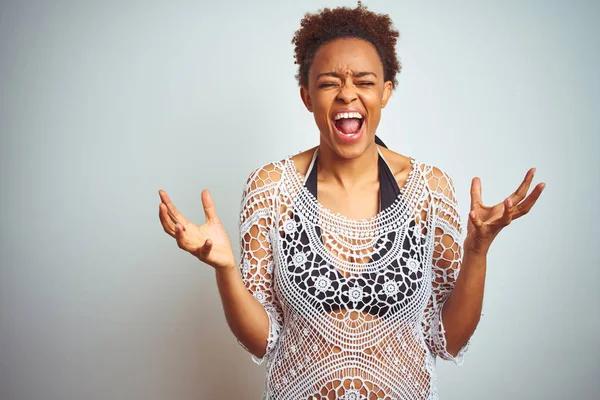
{"points": [[388, 276]]}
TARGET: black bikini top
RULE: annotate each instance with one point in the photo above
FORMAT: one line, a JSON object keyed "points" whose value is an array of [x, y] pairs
{"points": [[372, 301]]}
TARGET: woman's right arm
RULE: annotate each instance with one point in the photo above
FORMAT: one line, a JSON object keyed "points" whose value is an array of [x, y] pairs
{"points": [[257, 216], [245, 315], [250, 308]]}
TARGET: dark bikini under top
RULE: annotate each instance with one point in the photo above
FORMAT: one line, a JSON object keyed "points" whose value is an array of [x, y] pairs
{"points": [[373, 301]]}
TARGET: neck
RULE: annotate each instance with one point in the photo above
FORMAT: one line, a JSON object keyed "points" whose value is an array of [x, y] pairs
{"points": [[348, 173]]}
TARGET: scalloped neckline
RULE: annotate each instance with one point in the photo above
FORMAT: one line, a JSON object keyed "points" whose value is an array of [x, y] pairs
{"points": [[343, 219]]}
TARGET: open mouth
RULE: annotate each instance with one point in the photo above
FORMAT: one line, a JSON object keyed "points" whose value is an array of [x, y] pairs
{"points": [[348, 123]]}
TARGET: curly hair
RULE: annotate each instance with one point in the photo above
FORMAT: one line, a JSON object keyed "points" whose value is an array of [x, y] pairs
{"points": [[342, 22]]}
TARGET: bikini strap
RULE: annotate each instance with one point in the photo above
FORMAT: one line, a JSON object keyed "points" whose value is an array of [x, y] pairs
{"points": [[312, 164], [388, 187]]}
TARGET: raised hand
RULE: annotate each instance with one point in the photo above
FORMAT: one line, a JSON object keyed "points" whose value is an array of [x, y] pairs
{"points": [[208, 242], [486, 222]]}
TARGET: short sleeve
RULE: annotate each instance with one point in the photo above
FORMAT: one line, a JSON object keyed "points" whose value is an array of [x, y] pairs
{"points": [[445, 263], [256, 258]]}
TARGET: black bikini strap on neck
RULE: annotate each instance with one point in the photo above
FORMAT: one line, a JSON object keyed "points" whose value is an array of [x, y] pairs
{"points": [[388, 187]]}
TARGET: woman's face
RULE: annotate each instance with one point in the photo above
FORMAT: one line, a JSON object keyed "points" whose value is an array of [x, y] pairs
{"points": [[346, 92]]}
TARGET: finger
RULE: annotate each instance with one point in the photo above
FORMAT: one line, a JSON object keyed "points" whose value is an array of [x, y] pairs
{"points": [[523, 188], [175, 215], [170, 207], [475, 193], [477, 222], [209, 207], [165, 220], [525, 206], [508, 211]]}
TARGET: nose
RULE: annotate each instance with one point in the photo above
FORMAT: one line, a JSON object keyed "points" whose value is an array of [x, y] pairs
{"points": [[346, 94]]}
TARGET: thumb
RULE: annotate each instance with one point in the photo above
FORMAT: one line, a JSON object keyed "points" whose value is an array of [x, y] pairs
{"points": [[209, 207]]}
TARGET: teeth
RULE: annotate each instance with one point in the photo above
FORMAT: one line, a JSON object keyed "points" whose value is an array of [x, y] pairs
{"points": [[347, 115]]}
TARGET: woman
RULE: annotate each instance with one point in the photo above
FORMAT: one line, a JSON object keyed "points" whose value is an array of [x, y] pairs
{"points": [[351, 253]]}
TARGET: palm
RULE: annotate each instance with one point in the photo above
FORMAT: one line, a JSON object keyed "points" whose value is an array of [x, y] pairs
{"points": [[489, 215], [193, 238], [486, 222], [209, 242]]}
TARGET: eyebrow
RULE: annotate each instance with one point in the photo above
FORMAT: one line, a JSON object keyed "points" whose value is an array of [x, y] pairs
{"points": [[356, 75]]}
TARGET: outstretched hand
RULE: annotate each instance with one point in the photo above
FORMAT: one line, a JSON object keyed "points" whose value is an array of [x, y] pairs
{"points": [[208, 242], [486, 222]]}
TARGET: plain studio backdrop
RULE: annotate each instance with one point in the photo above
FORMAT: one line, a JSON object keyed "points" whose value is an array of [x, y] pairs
{"points": [[104, 103]]}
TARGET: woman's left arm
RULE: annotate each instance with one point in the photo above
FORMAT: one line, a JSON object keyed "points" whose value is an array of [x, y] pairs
{"points": [[462, 309]]}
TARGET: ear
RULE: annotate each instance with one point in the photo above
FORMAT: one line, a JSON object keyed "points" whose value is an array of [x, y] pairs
{"points": [[388, 88], [306, 98]]}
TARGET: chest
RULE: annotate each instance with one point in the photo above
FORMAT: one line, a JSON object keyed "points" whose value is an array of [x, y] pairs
{"points": [[380, 272], [360, 203]]}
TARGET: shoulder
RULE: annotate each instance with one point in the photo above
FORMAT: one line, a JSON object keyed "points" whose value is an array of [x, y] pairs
{"points": [[302, 160], [261, 191], [439, 184], [436, 179], [439, 181], [265, 177], [399, 164], [273, 172]]}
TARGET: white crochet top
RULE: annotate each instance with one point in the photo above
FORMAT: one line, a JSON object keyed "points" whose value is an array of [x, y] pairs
{"points": [[355, 306]]}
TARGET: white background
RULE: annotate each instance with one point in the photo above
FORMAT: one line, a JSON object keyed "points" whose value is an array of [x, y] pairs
{"points": [[104, 103]]}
